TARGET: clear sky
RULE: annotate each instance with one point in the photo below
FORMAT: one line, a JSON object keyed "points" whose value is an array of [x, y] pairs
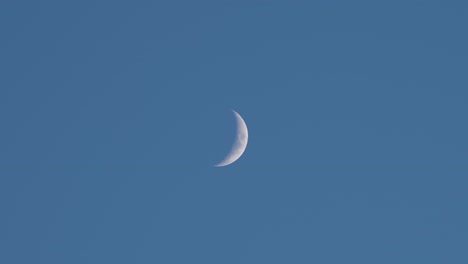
{"points": [[112, 114]]}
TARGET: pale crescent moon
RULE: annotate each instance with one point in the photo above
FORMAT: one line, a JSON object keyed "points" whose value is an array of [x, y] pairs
{"points": [[239, 145]]}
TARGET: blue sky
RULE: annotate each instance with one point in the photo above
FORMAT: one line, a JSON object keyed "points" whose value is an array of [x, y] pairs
{"points": [[113, 113]]}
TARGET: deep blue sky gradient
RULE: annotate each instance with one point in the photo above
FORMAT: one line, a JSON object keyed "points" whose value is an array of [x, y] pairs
{"points": [[112, 114]]}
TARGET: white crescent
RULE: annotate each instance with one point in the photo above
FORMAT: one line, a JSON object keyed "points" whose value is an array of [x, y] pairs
{"points": [[239, 145]]}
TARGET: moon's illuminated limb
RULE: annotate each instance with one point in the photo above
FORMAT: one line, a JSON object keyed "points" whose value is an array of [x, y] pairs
{"points": [[239, 145]]}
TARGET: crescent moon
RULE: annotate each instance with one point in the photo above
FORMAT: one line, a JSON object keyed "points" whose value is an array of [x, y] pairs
{"points": [[240, 143]]}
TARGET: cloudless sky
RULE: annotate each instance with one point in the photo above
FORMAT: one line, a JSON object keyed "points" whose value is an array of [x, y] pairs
{"points": [[112, 114]]}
